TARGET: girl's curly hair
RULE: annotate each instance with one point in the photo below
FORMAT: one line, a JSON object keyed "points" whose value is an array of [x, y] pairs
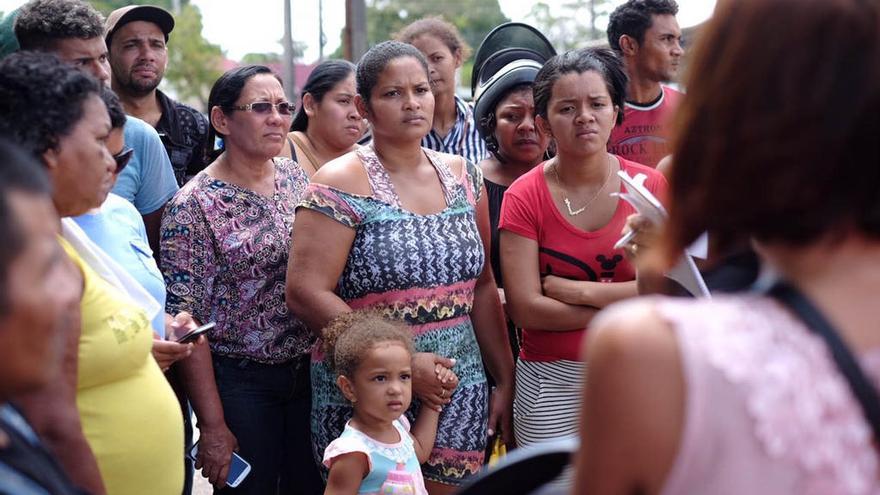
{"points": [[348, 337]]}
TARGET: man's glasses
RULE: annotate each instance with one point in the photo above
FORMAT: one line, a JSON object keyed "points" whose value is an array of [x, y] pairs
{"points": [[264, 107], [122, 158]]}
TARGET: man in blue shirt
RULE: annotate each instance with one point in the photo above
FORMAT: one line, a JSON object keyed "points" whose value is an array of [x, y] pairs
{"points": [[74, 31]]}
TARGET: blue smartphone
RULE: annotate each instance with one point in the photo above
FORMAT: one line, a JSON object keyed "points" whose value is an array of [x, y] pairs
{"points": [[238, 467]]}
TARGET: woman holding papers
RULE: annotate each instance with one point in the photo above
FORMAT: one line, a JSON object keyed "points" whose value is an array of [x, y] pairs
{"points": [[559, 223], [771, 391]]}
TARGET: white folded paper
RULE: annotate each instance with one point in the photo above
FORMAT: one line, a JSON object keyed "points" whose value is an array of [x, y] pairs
{"points": [[647, 205]]}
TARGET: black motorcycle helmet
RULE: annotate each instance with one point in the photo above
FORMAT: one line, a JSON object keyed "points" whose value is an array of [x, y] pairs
{"points": [[510, 55]]}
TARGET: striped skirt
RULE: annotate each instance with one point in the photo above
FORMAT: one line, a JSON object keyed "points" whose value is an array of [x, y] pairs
{"points": [[547, 400]]}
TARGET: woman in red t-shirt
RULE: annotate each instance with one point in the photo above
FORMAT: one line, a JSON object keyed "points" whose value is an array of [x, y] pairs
{"points": [[559, 223]]}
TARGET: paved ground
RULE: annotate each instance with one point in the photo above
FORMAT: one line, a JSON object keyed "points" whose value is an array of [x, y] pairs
{"points": [[201, 486]]}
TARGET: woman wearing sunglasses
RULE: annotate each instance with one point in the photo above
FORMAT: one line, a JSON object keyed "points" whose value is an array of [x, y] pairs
{"points": [[225, 240]]}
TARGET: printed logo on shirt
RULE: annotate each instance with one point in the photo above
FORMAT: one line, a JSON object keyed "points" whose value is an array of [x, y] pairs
{"points": [[647, 150], [127, 324], [607, 265]]}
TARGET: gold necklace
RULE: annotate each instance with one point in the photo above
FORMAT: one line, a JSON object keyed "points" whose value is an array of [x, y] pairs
{"points": [[565, 199]]}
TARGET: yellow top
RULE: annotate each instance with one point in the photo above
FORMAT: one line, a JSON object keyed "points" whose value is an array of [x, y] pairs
{"points": [[129, 413]]}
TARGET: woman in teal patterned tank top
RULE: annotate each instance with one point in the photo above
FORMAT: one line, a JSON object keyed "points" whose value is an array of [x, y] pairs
{"points": [[402, 229]]}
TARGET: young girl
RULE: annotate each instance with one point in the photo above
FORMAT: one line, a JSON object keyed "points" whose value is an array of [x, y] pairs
{"points": [[376, 452]]}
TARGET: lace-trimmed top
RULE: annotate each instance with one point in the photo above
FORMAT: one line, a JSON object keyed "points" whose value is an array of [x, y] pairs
{"points": [[766, 409], [397, 461], [380, 181]]}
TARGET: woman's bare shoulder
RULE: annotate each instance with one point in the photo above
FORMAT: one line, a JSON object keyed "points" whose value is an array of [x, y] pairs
{"points": [[635, 390], [345, 173], [634, 327]]}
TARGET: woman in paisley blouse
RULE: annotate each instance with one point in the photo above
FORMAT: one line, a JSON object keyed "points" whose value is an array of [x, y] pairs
{"points": [[400, 228], [740, 394], [225, 241]]}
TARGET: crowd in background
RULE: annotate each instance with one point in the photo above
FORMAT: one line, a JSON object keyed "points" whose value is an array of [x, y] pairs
{"points": [[400, 280]]}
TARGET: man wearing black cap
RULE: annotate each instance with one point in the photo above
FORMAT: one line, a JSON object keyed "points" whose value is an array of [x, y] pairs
{"points": [[136, 38]]}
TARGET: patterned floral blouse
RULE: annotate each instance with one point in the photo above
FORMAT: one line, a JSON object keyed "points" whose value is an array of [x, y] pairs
{"points": [[224, 257]]}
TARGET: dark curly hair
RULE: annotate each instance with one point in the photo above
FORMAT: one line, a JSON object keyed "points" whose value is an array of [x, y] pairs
{"points": [[350, 335], [603, 61], [377, 58], [41, 99], [42, 23], [635, 17]]}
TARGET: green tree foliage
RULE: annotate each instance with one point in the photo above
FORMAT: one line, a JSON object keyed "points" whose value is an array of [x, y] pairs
{"points": [[193, 62], [261, 58], [473, 18], [107, 6], [571, 24]]}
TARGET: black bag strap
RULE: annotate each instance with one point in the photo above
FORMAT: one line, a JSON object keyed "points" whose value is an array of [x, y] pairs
{"points": [[846, 362]]}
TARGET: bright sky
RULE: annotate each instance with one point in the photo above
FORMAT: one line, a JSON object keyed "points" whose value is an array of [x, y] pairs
{"points": [[260, 26], [243, 26]]}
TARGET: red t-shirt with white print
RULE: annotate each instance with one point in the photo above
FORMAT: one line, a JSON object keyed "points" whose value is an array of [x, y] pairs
{"points": [[644, 135]]}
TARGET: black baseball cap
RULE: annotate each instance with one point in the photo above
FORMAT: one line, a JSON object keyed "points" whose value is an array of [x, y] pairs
{"points": [[149, 13]]}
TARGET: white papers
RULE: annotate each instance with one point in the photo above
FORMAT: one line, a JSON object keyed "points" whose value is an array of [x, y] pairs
{"points": [[647, 205], [687, 274], [700, 247]]}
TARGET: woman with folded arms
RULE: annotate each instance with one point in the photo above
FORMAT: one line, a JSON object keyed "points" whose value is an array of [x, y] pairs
{"points": [[559, 224]]}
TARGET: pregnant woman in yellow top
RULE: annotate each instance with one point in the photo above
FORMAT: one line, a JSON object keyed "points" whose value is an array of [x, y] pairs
{"points": [[124, 433]]}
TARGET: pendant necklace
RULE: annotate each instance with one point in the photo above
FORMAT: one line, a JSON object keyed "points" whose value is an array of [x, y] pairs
{"points": [[565, 199]]}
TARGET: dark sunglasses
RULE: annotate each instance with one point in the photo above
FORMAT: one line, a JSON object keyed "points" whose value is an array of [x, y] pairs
{"points": [[122, 158], [264, 107]]}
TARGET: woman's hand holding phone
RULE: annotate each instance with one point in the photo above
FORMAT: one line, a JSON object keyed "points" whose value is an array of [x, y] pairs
{"points": [[168, 351]]}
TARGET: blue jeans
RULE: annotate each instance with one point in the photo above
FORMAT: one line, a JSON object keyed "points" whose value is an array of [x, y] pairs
{"points": [[268, 409]]}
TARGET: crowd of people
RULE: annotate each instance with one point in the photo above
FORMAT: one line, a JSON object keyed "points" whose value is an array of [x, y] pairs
{"points": [[400, 279]]}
